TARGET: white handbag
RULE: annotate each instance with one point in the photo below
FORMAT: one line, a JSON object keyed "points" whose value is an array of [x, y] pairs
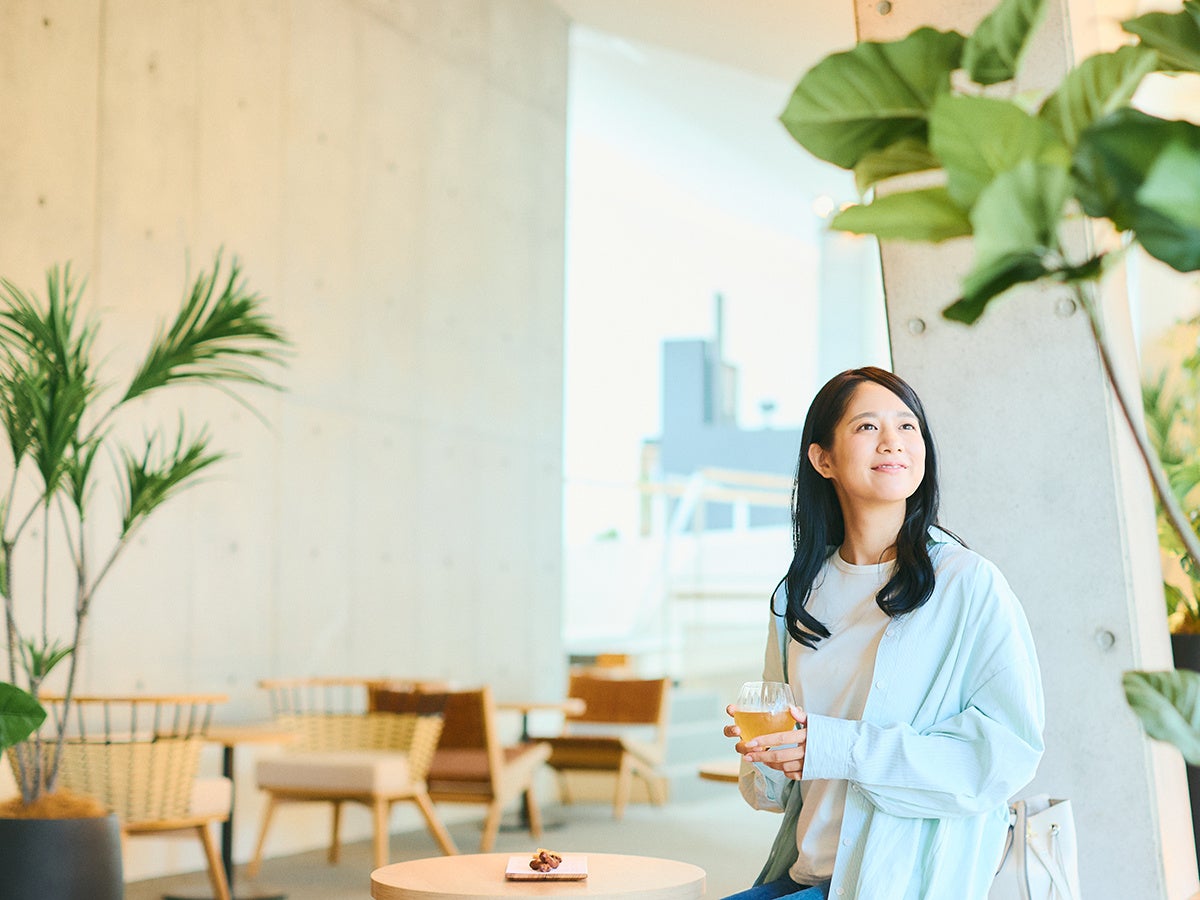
{"points": [[1040, 861]]}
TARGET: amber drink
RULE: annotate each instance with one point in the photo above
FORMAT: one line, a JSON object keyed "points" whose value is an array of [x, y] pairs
{"points": [[753, 723], [763, 707]]}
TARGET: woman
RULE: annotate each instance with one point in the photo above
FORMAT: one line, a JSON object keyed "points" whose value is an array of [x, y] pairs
{"points": [[919, 699]]}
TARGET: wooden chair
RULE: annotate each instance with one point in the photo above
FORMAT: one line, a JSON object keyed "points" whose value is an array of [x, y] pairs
{"points": [[140, 756], [344, 753], [470, 765], [622, 730]]}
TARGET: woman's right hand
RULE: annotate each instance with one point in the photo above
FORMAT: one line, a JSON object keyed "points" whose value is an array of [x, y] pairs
{"points": [[788, 759]]}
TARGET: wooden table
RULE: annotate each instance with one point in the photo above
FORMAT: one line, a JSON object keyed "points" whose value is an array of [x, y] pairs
{"points": [[721, 770], [480, 876], [229, 736], [571, 706]]}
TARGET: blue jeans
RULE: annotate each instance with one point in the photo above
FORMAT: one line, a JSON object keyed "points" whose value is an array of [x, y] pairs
{"points": [[783, 888]]}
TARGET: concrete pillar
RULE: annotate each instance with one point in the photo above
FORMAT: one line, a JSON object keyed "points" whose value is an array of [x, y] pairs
{"points": [[1039, 474]]}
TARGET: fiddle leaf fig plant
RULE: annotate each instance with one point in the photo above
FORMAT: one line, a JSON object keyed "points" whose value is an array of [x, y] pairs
{"points": [[59, 423], [943, 145]]}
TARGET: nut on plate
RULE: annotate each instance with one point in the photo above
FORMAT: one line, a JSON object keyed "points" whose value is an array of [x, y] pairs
{"points": [[545, 860]]}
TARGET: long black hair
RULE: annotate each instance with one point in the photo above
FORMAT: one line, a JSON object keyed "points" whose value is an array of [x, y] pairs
{"points": [[817, 524]]}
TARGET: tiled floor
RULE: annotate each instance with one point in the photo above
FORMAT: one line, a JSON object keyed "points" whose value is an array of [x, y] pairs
{"points": [[712, 828]]}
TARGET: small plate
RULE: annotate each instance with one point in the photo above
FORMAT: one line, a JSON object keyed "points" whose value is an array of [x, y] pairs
{"points": [[572, 868]]}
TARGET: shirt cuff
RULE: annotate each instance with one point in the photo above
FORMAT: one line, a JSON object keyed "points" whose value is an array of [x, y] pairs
{"points": [[827, 747]]}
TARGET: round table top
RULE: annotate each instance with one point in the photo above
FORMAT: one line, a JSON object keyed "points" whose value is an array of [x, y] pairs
{"points": [[480, 876], [721, 770]]}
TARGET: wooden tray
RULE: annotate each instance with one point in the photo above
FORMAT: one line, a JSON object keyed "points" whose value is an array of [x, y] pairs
{"points": [[572, 868]]}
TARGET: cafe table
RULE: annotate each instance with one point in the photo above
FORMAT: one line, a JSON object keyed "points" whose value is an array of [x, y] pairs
{"points": [[571, 706], [728, 770], [229, 737], [480, 876]]}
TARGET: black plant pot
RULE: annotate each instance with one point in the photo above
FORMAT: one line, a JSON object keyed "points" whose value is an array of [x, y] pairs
{"points": [[1186, 650], [61, 859]]}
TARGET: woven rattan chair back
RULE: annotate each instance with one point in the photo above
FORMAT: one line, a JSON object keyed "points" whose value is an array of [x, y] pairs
{"points": [[138, 755]]}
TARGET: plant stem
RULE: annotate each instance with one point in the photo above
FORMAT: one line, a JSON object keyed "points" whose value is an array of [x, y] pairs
{"points": [[1158, 477], [9, 496], [46, 575]]}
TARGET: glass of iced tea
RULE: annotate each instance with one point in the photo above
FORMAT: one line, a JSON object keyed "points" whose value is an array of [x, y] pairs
{"points": [[762, 708]]}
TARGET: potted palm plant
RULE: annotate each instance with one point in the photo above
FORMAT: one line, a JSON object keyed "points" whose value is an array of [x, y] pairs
{"points": [[60, 424], [928, 125]]}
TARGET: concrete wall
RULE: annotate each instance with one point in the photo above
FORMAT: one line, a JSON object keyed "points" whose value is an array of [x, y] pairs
{"points": [[1040, 476], [392, 174]]}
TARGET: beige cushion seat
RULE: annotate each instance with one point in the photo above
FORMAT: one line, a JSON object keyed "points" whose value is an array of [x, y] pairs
{"points": [[352, 771], [211, 796]]}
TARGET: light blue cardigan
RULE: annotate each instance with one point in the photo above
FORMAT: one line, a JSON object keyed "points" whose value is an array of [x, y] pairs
{"points": [[952, 728]]}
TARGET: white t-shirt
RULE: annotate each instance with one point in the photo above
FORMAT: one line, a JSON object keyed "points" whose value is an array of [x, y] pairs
{"points": [[834, 680]]}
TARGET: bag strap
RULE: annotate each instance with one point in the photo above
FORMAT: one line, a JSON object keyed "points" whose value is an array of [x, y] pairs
{"points": [[1053, 867]]}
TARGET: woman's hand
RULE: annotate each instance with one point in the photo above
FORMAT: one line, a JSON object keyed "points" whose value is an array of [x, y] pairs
{"points": [[787, 759]]}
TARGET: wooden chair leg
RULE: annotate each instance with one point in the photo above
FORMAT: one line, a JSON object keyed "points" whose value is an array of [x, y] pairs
{"points": [[382, 809], [535, 813], [564, 790], [440, 834], [491, 825], [256, 863], [657, 785], [624, 784], [335, 839], [216, 868]]}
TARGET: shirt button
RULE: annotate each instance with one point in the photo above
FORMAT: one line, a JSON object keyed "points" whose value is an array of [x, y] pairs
{"points": [[879, 684], [841, 891], [845, 842]]}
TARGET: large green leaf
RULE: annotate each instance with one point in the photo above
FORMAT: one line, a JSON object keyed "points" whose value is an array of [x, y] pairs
{"points": [[1020, 211], [20, 715], [1115, 155], [924, 215], [1172, 186], [905, 156], [977, 138], [1168, 219], [867, 98], [1168, 704], [1119, 156], [989, 280], [1176, 36], [993, 51], [1015, 222], [1099, 85]]}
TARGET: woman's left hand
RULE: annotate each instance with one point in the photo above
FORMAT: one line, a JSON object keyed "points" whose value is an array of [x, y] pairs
{"points": [[789, 747]]}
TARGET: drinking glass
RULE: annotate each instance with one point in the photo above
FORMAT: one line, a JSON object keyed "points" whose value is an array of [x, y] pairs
{"points": [[762, 708]]}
